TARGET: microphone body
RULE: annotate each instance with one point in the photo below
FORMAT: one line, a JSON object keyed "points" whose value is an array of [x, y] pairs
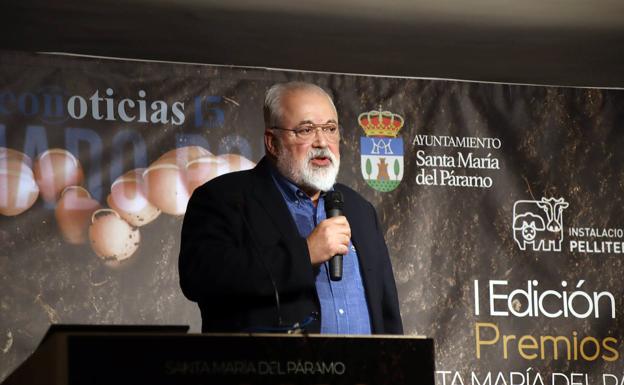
{"points": [[333, 207]]}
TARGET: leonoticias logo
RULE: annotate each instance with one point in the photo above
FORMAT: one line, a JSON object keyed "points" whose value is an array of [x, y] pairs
{"points": [[381, 149], [55, 105]]}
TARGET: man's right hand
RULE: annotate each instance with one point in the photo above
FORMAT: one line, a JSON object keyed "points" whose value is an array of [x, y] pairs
{"points": [[329, 238]]}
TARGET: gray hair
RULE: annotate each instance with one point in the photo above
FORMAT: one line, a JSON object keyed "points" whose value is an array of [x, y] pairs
{"points": [[273, 99]]}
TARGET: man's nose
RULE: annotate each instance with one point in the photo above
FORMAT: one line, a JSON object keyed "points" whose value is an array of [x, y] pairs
{"points": [[320, 140]]}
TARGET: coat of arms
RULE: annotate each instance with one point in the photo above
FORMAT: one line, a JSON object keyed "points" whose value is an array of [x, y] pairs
{"points": [[381, 150]]}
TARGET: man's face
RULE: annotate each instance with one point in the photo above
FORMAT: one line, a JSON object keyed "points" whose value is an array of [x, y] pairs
{"points": [[311, 163]]}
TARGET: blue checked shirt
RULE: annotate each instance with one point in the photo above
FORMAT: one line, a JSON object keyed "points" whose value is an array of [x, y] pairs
{"points": [[343, 303]]}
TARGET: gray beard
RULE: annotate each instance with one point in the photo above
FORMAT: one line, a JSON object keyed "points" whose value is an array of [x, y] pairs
{"points": [[307, 176]]}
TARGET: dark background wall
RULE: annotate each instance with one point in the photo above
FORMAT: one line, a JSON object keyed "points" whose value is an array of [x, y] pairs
{"points": [[572, 42]]}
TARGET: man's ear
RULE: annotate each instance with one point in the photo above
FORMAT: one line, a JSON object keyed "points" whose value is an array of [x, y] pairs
{"points": [[270, 143]]}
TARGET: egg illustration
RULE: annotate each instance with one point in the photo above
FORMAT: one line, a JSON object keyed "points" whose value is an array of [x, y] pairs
{"points": [[9, 153], [183, 155], [112, 238], [201, 170], [54, 170], [18, 189], [235, 162], [128, 198], [166, 186], [73, 213]]}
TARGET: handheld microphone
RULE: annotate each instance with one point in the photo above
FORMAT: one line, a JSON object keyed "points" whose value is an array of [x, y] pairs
{"points": [[333, 207]]}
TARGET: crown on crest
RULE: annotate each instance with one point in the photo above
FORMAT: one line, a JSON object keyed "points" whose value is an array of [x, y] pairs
{"points": [[380, 123]]}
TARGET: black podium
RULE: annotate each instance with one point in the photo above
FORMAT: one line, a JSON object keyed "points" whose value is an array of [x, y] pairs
{"points": [[152, 355]]}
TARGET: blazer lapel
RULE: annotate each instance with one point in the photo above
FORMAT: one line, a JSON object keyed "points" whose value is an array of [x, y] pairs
{"points": [[268, 196], [360, 237]]}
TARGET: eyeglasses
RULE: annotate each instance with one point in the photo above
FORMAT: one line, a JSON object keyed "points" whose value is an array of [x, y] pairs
{"points": [[306, 132]]}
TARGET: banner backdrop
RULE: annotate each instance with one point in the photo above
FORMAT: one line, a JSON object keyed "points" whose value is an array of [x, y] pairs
{"points": [[502, 204]]}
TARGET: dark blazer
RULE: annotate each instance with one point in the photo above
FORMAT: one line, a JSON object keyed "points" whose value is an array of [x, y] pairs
{"points": [[238, 236]]}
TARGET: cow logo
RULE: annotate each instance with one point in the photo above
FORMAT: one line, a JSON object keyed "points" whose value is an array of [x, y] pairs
{"points": [[381, 150], [539, 224]]}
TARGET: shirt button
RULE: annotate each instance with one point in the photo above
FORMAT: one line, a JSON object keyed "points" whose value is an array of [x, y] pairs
{"points": [[341, 311]]}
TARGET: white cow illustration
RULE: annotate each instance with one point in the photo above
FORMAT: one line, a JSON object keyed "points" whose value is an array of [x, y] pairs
{"points": [[553, 208]]}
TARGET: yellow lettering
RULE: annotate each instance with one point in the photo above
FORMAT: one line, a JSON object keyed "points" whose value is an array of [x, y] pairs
{"points": [[606, 346], [597, 347], [506, 339], [522, 345], [555, 341], [480, 341]]}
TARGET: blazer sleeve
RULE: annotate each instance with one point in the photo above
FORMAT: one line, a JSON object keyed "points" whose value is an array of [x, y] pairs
{"points": [[221, 256]]}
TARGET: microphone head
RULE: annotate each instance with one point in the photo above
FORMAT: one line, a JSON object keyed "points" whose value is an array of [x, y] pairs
{"points": [[334, 201]]}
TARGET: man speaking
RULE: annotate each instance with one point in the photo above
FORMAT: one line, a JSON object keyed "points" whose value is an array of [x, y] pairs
{"points": [[259, 251]]}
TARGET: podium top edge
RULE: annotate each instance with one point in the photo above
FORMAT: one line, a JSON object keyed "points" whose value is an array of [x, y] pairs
{"points": [[182, 331], [314, 335], [240, 335]]}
